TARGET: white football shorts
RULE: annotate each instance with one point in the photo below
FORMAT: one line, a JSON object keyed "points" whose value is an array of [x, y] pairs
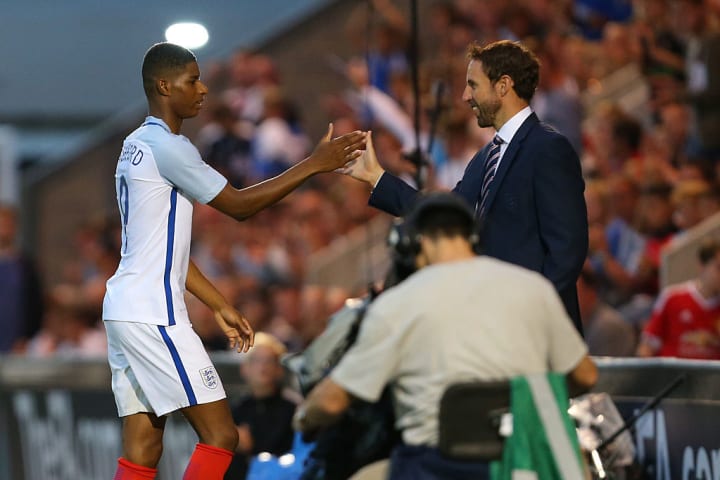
{"points": [[159, 369]]}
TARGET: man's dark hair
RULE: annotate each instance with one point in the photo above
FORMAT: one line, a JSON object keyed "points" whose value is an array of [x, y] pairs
{"points": [[442, 214], [444, 221], [162, 58], [512, 59], [708, 249]]}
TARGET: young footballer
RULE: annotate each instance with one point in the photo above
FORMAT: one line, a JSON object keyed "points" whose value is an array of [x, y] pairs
{"points": [[158, 363]]}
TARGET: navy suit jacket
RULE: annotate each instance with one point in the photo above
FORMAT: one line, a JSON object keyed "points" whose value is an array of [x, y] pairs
{"points": [[535, 213]]}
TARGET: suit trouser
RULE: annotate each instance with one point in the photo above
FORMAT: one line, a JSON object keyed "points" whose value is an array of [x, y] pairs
{"points": [[426, 463]]}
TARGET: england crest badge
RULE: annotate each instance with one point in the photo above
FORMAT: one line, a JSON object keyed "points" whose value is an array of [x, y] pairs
{"points": [[209, 377]]}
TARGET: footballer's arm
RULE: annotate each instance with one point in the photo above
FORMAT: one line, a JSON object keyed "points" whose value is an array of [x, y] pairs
{"points": [[329, 154], [233, 325]]}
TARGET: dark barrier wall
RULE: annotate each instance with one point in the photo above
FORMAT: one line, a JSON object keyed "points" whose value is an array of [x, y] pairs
{"points": [[680, 438], [58, 418], [58, 421]]}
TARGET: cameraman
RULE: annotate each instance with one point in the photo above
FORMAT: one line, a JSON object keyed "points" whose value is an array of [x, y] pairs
{"points": [[437, 328]]}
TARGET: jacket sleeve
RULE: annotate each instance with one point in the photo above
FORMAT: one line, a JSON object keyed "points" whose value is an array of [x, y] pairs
{"points": [[392, 195]]}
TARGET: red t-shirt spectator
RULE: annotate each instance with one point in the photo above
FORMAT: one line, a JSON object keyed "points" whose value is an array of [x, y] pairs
{"points": [[684, 324]]}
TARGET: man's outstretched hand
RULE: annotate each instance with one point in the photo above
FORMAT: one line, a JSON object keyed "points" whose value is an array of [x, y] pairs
{"points": [[366, 166]]}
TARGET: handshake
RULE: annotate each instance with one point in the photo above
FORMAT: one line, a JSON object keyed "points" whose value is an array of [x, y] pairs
{"points": [[351, 154]]}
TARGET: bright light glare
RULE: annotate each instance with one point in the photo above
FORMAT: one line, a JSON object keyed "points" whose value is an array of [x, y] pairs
{"points": [[264, 457], [188, 35], [286, 460]]}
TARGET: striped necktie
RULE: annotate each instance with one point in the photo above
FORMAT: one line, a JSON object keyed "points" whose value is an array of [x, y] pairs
{"points": [[491, 164]]}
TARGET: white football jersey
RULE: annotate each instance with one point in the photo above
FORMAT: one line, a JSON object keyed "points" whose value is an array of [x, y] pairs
{"points": [[158, 176]]}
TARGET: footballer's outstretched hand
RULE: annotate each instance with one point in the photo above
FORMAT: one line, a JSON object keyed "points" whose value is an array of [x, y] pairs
{"points": [[333, 153], [236, 328]]}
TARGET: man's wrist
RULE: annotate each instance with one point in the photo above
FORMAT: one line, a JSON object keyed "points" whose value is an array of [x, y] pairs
{"points": [[377, 180]]}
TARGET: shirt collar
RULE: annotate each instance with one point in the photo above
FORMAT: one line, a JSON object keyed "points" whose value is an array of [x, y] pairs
{"points": [[150, 120], [508, 131]]}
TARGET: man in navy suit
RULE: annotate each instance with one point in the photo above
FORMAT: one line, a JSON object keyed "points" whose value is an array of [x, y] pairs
{"points": [[526, 185]]}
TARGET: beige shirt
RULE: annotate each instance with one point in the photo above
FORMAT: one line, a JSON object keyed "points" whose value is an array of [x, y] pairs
{"points": [[477, 319]]}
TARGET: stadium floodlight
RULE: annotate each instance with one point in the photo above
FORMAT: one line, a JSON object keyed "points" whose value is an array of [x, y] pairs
{"points": [[187, 34]]}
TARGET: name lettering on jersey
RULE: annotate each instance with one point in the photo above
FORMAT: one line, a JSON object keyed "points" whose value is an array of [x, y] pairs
{"points": [[131, 153], [209, 377]]}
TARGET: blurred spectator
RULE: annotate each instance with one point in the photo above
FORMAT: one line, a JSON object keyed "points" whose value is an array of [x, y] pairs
{"points": [[605, 331], [557, 100], [229, 152], [673, 132], [244, 95], [618, 49], [696, 169], [314, 219], [350, 198], [703, 76], [709, 203], [441, 15], [596, 202], [592, 15], [317, 304], [389, 30], [374, 106], [625, 243], [662, 50], [264, 416], [69, 329], [609, 249], [21, 298], [625, 155], [278, 142], [517, 23], [284, 322], [684, 321], [97, 244], [686, 199], [459, 151], [655, 222]]}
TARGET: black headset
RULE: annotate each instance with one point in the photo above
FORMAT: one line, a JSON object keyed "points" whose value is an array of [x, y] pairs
{"points": [[404, 238]]}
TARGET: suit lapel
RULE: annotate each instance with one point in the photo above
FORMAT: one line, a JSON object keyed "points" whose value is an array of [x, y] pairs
{"points": [[509, 157]]}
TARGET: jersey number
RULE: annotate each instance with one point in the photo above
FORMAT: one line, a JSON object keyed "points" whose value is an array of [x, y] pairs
{"points": [[124, 204]]}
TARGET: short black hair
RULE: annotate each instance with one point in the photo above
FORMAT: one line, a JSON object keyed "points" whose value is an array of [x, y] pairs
{"points": [[162, 58], [444, 221], [442, 214]]}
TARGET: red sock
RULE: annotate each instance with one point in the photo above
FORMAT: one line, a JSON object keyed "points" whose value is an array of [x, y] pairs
{"points": [[208, 463], [127, 470]]}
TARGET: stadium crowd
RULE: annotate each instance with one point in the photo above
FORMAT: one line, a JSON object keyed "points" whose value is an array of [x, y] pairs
{"points": [[650, 156]]}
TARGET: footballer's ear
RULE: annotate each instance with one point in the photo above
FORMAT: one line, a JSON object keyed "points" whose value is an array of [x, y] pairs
{"points": [[162, 86]]}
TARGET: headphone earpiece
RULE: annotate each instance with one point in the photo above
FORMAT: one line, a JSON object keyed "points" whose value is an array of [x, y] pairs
{"points": [[405, 243], [474, 240], [404, 237]]}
